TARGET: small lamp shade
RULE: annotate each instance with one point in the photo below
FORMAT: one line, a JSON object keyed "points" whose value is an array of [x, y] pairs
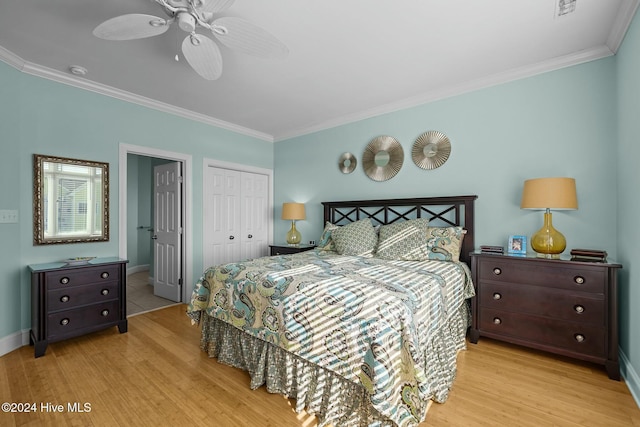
{"points": [[547, 194], [293, 212]]}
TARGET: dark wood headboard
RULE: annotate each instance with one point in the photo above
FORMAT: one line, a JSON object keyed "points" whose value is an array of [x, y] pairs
{"points": [[441, 211]]}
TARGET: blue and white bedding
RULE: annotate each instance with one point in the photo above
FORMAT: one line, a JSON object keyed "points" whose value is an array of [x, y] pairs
{"points": [[390, 327]]}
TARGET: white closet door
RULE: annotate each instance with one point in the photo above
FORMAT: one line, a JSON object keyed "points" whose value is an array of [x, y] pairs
{"points": [[236, 215], [222, 231], [254, 208]]}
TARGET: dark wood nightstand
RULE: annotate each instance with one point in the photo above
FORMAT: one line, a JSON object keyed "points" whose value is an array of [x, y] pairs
{"points": [[289, 249], [561, 306]]}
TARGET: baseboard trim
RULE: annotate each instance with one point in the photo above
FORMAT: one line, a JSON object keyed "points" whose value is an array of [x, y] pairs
{"points": [[14, 341], [137, 269], [630, 376]]}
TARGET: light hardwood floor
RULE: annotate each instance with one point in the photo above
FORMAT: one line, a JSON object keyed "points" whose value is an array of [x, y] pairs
{"points": [[156, 375]]}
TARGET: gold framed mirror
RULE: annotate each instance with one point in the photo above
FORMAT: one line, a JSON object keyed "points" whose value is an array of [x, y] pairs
{"points": [[382, 158], [70, 200]]}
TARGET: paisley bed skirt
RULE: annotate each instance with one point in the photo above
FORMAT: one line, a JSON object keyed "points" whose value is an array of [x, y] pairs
{"points": [[331, 398]]}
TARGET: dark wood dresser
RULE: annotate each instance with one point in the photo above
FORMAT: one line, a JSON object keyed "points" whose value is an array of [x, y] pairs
{"points": [[289, 249], [561, 306], [72, 300]]}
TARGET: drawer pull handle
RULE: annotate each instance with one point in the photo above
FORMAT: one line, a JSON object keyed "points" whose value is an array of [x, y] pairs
{"points": [[497, 271], [497, 321], [105, 312], [497, 296], [65, 298], [104, 275], [578, 308], [579, 337], [64, 280], [64, 321], [579, 280], [105, 292]]}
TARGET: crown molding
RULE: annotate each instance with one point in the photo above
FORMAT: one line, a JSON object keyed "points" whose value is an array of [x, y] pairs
{"points": [[454, 90], [625, 15], [50, 74]]}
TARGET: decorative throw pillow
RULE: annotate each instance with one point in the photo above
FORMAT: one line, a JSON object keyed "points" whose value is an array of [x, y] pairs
{"points": [[325, 243], [405, 240], [357, 238], [444, 243]]}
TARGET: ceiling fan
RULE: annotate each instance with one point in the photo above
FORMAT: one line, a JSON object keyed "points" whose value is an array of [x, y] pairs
{"points": [[200, 51]]}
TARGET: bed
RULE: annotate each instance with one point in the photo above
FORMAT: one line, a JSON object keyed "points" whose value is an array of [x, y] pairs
{"points": [[362, 330]]}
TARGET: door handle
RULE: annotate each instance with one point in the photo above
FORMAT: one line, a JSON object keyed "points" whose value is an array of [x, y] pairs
{"points": [[154, 237], [250, 236], [231, 237]]}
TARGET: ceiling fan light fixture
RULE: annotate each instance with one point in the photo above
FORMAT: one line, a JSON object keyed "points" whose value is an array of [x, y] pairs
{"points": [[186, 22]]}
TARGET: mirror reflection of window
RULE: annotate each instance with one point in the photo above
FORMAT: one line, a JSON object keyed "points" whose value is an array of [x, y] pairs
{"points": [[70, 200]]}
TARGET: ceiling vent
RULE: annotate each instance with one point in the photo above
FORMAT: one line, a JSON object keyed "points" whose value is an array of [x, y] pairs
{"points": [[565, 7]]}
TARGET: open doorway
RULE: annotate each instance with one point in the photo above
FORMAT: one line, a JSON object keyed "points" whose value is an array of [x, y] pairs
{"points": [[138, 231]]}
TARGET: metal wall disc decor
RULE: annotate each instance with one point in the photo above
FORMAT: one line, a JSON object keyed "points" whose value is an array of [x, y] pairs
{"points": [[382, 158], [347, 163], [431, 150]]}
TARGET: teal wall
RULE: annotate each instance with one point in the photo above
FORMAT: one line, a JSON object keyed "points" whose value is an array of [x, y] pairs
{"points": [[561, 123], [628, 202], [45, 117]]}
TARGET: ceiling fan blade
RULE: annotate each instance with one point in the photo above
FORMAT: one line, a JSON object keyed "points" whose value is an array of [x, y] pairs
{"points": [[245, 37], [130, 27], [215, 6], [203, 54]]}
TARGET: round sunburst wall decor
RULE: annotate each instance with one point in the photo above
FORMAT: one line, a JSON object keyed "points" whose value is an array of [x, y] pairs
{"points": [[431, 150], [382, 158], [347, 163]]}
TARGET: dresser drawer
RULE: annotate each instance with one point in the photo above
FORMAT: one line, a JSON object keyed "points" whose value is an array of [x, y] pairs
{"points": [[68, 298], [68, 322], [541, 273], [576, 337], [580, 307], [81, 276]]}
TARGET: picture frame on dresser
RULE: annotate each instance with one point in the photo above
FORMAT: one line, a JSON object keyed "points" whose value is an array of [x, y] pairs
{"points": [[517, 245]]}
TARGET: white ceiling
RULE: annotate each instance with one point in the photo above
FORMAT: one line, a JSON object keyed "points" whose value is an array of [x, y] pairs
{"points": [[348, 59]]}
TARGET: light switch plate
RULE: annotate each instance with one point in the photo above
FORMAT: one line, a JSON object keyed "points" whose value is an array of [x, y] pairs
{"points": [[8, 216]]}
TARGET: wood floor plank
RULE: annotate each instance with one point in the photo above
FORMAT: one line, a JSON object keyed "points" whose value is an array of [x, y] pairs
{"points": [[156, 375]]}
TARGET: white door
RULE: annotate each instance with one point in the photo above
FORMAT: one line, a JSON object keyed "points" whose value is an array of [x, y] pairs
{"points": [[235, 215], [222, 216], [254, 208], [167, 248]]}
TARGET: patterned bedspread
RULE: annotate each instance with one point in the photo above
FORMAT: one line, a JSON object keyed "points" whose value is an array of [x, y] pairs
{"points": [[366, 319]]}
